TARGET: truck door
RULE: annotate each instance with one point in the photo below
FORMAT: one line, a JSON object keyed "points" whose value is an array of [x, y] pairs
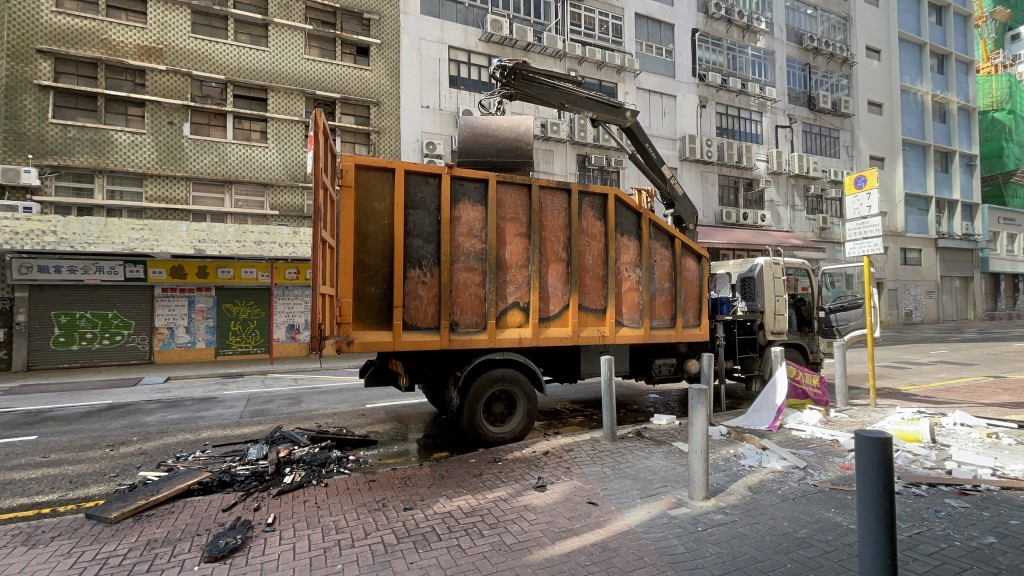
{"points": [[841, 303]]}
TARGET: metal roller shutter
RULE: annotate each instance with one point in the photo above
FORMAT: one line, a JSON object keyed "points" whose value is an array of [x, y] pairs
{"points": [[71, 326], [956, 262], [243, 321]]}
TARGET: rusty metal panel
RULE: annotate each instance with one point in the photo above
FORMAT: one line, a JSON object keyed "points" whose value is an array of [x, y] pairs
{"points": [[468, 291], [514, 251], [324, 304], [662, 281], [421, 304], [593, 257], [554, 252], [373, 238], [629, 267], [693, 271]]}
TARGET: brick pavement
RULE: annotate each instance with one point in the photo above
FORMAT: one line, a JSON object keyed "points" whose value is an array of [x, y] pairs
{"points": [[610, 509]]}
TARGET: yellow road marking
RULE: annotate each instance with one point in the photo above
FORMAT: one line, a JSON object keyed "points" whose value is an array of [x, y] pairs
{"points": [[943, 383], [42, 511]]}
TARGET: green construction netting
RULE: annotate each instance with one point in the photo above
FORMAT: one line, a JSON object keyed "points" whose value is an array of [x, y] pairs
{"points": [[996, 30], [1000, 123], [1009, 194]]}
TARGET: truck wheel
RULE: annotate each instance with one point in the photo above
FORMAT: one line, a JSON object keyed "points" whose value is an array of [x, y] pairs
{"points": [[500, 407], [437, 396]]}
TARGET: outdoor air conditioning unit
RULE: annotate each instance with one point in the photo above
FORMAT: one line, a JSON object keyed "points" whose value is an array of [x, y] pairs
{"points": [[754, 88], [746, 155], [810, 41], [714, 78], [618, 163], [747, 217], [834, 175], [840, 49], [966, 228], [574, 48], [688, 147], [814, 167], [433, 148], [17, 207], [582, 129], [812, 190], [716, 9], [727, 152], [730, 215], [823, 221], [776, 161], [833, 193], [522, 32], [760, 22], [826, 46], [771, 92], [739, 15], [735, 83], [554, 129], [764, 184], [613, 58], [709, 149], [605, 137], [631, 63], [497, 25], [763, 218], [592, 53], [433, 161], [821, 101], [597, 161], [19, 176], [845, 105], [555, 41], [799, 164]]}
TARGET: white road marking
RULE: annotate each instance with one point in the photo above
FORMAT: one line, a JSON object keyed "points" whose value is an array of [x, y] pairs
{"points": [[396, 402], [312, 377], [56, 406], [254, 390], [940, 352], [17, 439]]}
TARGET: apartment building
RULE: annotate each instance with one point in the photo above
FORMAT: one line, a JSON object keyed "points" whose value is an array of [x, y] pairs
{"points": [[157, 185]]}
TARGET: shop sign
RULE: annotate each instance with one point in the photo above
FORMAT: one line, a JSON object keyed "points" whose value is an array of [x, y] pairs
{"points": [[208, 272], [59, 270]]}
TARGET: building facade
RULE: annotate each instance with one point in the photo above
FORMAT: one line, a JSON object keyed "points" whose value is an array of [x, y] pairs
{"points": [[151, 121]]}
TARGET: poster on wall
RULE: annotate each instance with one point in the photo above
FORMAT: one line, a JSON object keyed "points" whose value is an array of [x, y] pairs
{"points": [[184, 318], [243, 321], [291, 314]]}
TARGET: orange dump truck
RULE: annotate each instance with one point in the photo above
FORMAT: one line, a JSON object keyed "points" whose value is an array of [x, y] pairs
{"points": [[482, 288]]}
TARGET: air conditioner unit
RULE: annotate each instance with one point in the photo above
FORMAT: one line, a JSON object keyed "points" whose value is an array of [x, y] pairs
{"points": [[814, 166], [833, 193], [582, 129], [966, 228], [823, 221], [826, 46], [605, 138], [613, 58], [522, 32], [467, 111], [574, 49], [735, 83], [776, 161], [592, 53], [799, 164], [746, 155], [433, 161], [17, 207], [810, 41], [433, 148], [771, 92], [747, 217], [821, 101], [812, 190], [716, 9], [764, 184], [709, 149], [554, 129], [834, 175], [19, 176], [631, 63], [730, 215], [845, 105], [727, 152], [714, 78], [597, 161], [763, 218], [555, 41], [619, 163], [688, 147], [497, 25], [754, 88], [840, 49], [760, 22], [739, 15]]}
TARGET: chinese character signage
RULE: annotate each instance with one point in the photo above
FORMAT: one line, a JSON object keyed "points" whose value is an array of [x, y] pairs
{"points": [[46, 270], [203, 272]]}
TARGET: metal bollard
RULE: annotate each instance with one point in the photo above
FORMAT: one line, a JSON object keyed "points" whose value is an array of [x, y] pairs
{"points": [[876, 504], [698, 438], [720, 337], [608, 398], [707, 378], [778, 357], [842, 391]]}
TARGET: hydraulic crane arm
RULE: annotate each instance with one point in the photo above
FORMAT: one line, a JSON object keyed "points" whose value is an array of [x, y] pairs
{"points": [[518, 80]]}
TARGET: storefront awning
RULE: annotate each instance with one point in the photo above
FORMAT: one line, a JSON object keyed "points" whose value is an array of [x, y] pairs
{"points": [[729, 237]]}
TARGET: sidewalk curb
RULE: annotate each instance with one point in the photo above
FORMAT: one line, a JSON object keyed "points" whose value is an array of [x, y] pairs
{"points": [[262, 371]]}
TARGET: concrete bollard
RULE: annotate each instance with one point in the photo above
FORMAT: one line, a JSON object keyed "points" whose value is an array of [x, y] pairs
{"points": [[608, 398], [698, 437], [876, 504], [707, 378], [842, 391]]}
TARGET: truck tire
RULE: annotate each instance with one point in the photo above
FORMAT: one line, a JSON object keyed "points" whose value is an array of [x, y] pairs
{"points": [[499, 407], [437, 396]]}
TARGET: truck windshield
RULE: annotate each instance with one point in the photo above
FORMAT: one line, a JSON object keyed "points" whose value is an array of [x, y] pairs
{"points": [[842, 284]]}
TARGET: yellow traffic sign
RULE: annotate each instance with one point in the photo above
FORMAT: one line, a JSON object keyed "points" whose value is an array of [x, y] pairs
{"points": [[861, 182]]}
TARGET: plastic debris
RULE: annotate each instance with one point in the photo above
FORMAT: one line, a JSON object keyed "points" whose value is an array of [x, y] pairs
{"points": [[227, 541], [541, 485], [663, 419]]}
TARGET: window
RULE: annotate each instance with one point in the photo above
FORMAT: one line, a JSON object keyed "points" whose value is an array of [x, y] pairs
{"points": [[1015, 36], [935, 14], [610, 89], [532, 9], [469, 71], [738, 124], [588, 174], [239, 196], [1011, 243], [819, 204], [589, 23], [68, 210], [346, 141], [739, 193], [655, 37], [329, 108], [803, 18], [732, 58], [231, 26], [937, 63], [821, 140], [335, 35], [942, 162], [131, 11], [940, 112], [100, 109], [124, 188], [75, 185], [355, 114], [873, 53], [134, 213], [874, 108], [802, 78], [876, 162], [910, 257], [234, 126]]}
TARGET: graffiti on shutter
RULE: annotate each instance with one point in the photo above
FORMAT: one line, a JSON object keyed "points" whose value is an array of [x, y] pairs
{"points": [[94, 330]]}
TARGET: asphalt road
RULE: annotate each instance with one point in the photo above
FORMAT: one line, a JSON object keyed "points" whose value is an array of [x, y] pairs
{"points": [[80, 453]]}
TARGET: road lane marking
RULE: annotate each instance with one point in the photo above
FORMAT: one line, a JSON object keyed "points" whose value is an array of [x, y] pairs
{"points": [[42, 511], [50, 406], [18, 439], [312, 377], [940, 352], [254, 390], [943, 383], [396, 402]]}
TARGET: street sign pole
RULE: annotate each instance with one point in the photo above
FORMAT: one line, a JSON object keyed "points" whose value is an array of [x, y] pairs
{"points": [[868, 301], [863, 231]]}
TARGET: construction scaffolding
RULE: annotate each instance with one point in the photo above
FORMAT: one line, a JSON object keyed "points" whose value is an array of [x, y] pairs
{"points": [[992, 20]]}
